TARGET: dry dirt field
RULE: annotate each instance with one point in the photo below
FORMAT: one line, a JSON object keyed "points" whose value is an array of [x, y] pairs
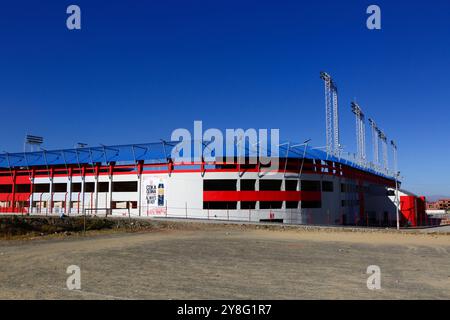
{"points": [[201, 261]]}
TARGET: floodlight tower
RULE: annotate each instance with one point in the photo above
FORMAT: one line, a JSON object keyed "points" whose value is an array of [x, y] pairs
{"points": [[360, 133], [331, 115], [335, 120], [394, 149], [374, 131], [32, 141], [81, 145], [384, 150]]}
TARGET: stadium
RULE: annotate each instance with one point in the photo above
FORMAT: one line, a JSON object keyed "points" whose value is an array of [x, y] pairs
{"points": [[308, 186]]}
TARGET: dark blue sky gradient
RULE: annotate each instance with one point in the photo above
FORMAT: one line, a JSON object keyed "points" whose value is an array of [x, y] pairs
{"points": [[139, 69]]}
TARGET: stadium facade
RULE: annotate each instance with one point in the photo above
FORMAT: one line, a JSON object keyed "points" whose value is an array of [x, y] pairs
{"points": [[309, 186]]}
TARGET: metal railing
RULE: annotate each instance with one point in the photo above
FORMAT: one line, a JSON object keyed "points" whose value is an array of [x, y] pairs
{"points": [[301, 216]]}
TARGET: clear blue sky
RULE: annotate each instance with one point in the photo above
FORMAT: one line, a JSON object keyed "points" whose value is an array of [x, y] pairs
{"points": [[139, 69]]}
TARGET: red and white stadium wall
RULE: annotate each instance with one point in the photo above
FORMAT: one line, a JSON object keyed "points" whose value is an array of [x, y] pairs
{"points": [[413, 210]]}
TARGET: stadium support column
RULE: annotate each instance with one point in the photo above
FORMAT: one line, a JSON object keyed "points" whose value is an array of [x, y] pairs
{"points": [[361, 199], [283, 188], [83, 178], [31, 190], [238, 187], [140, 168], [13, 204], [257, 189], [298, 188], [69, 191], [110, 185], [52, 172], [97, 170]]}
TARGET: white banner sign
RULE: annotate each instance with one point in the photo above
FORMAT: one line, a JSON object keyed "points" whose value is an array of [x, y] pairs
{"points": [[153, 196]]}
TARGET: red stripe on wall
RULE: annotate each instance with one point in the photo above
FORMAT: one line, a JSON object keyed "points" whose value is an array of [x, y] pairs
{"points": [[261, 196], [19, 180], [17, 196]]}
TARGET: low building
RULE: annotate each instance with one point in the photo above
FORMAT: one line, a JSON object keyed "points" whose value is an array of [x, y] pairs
{"points": [[442, 204]]}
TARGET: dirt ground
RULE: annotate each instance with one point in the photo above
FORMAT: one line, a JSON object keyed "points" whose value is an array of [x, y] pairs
{"points": [[195, 261]]}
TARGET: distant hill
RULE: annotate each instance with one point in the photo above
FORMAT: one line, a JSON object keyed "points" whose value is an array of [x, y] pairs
{"points": [[432, 198]]}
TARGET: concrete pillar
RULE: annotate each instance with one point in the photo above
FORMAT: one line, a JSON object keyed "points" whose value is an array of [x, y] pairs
{"points": [[110, 183], [13, 204], [82, 193], [69, 193], [139, 193], [300, 218], [50, 205], [257, 189], [140, 169], [283, 188], [238, 188], [32, 191], [96, 193]]}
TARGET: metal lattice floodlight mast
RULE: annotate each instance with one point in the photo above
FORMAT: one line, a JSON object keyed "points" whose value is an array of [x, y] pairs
{"points": [[360, 133], [331, 115], [328, 114], [335, 120], [384, 149], [375, 152], [32, 141], [394, 149]]}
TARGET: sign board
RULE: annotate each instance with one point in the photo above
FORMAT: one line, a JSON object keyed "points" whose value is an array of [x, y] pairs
{"points": [[153, 195]]}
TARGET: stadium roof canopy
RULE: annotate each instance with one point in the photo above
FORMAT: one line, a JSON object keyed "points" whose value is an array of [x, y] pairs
{"points": [[156, 152]]}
